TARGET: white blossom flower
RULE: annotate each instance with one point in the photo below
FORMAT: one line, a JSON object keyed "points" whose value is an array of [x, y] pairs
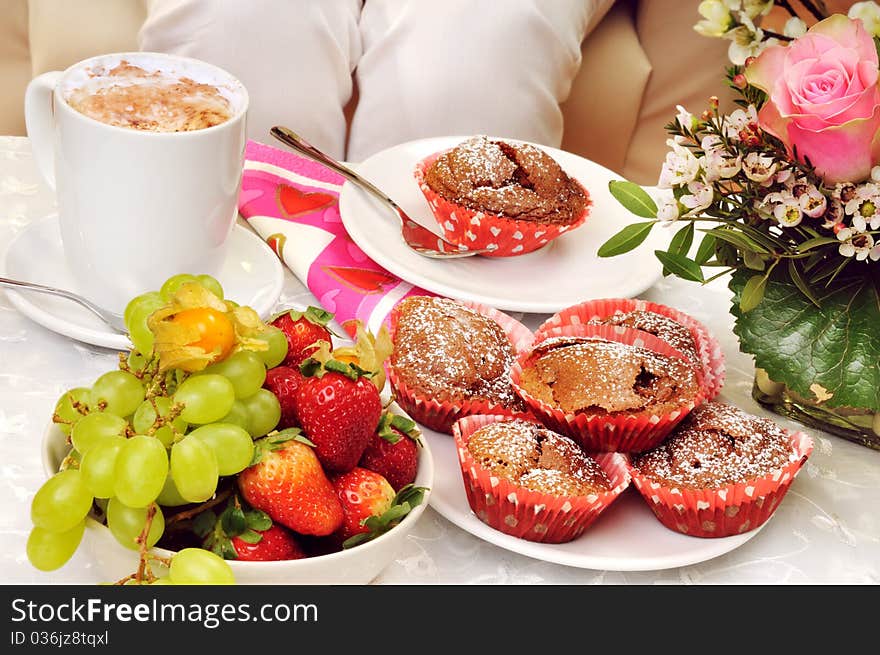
{"points": [[716, 18], [668, 211], [711, 142], [786, 177], [869, 14], [813, 202], [699, 198], [856, 244], [759, 168], [740, 120], [718, 164], [864, 206], [786, 208], [794, 28], [685, 118], [833, 214], [875, 174], [755, 8], [680, 167]]}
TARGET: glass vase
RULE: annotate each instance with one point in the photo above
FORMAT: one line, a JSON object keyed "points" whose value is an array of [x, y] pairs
{"points": [[860, 425]]}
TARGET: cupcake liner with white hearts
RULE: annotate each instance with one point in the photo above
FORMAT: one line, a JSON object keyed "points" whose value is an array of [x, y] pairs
{"points": [[525, 513], [506, 236], [728, 510], [619, 432], [570, 320], [440, 415]]}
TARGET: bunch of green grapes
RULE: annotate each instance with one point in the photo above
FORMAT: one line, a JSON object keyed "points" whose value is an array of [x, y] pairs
{"points": [[144, 441]]}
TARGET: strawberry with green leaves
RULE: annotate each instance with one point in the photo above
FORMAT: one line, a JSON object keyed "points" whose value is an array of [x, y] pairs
{"points": [[393, 451], [303, 330], [338, 408], [370, 505], [287, 482], [246, 534]]}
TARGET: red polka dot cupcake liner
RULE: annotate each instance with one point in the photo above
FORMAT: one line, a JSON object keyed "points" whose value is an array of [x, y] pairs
{"points": [[529, 514], [507, 236], [440, 415], [728, 510], [570, 320], [625, 433]]}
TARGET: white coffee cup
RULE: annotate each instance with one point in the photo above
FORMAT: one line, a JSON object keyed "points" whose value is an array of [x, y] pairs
{"points": [[136, 207]]}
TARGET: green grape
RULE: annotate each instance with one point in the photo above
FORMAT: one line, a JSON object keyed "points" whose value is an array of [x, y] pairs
{"points": [[198, 566], [170, 496], [264, 412], [149, 302], [211, 284], [48, 551], [141, 467], [207, 398], [93, 428], [136, 361], [173, 283], [121, 391], [145, 417], [67, 412], [194, 469], [62, 502], [127, 523], [238, 415], [98, 466], [140, 334], [244, 369], [277, 341], [233, 447], [161, 581]]}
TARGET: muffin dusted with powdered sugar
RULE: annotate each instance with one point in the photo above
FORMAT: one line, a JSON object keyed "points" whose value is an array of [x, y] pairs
{"points": [[452, 359], [722, 472], [506, 197], [662, 327]]}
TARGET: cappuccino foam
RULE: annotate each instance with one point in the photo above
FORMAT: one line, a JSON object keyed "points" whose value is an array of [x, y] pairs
{"points": [[155, 101]]}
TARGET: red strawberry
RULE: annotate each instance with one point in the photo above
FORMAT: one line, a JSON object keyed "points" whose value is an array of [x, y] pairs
{"points": [[394, 450], [283, 381], [338, 408], [363, 493], [276, 543], [288, 483], [303, 330]]}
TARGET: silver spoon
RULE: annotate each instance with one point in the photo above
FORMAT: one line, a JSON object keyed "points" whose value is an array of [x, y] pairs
{"points": [[112, 319], [419, 238]]}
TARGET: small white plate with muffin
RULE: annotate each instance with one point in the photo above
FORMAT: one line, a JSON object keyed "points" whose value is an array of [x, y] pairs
{"points": [[558, 274]]}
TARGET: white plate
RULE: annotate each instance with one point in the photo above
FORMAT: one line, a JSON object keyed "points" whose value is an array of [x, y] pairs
{"points": [[561, 274], [626, 537], [251, 275]]}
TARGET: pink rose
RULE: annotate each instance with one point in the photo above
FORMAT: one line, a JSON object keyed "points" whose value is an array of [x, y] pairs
{"points": [[823, 98]]}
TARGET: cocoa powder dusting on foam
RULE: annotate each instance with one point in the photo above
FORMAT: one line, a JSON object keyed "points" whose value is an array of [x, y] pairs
{"points": [[717, 444], [537, 458], [155, 102], [452, 352]]}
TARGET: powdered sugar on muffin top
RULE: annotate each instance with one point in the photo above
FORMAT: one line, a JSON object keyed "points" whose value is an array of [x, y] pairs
{"points": [[672, 332], [715, 445], [452, 352]]}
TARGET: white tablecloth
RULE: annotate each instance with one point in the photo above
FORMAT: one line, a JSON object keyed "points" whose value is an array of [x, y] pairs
{"points": [[826, 531]]}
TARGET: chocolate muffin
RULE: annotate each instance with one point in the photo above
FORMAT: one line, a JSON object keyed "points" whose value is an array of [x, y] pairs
{"points": [[662, 327], [536, 458], [591, 376], [715, 445], [511, 180]]}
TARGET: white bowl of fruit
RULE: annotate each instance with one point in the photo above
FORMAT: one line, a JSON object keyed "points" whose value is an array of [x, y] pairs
{"points": [[215, 459]]}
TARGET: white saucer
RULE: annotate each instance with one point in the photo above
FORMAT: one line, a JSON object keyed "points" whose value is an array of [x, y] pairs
{"points": [[252, 275]]}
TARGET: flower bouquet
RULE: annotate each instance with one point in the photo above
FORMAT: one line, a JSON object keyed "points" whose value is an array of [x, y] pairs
{"points": [[785, 194]]}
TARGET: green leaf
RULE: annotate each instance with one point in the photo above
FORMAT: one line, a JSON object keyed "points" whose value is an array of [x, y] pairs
{"points": [[628, 238], [752, 293], [681, 242], [251, 537], [738, 240], [258, 520], [705, 250], [835, 346], [634, 198], [203, 523], [753, 261], [815, 242], [681, 266], [233, 521], [799, 281]]}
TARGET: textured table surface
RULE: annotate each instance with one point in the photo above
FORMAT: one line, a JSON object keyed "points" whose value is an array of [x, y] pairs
{"points": [[826, 532]]}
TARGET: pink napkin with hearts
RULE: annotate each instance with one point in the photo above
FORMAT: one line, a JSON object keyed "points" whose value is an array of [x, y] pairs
{"points": [[293, 203]]}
